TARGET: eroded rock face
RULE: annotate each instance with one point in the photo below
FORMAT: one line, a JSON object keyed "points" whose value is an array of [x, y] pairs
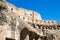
{"points": [[6, 16], [2, 13]]}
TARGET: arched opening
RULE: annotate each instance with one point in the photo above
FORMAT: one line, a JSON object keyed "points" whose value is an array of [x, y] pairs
{"points": [[58, 27], [31, 35], [54, 27], [23, 33], [37, 37], [12, 9]]}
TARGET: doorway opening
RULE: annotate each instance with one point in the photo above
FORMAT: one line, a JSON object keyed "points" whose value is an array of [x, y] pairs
{"points": [[9, 39]]}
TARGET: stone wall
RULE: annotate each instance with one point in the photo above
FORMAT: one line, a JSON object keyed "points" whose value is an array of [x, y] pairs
{"points": [[22, 24]]}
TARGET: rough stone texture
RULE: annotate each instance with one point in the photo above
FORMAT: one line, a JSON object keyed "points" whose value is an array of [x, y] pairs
{"points": [[11, 26], [11, 23]]}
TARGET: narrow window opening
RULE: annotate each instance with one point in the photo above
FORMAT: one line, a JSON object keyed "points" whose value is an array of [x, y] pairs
{"points": [[11, 8], [30, 14], [23, 18]]}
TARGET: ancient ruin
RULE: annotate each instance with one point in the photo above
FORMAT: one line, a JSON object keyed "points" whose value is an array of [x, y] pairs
{"points": [[22, 24]]}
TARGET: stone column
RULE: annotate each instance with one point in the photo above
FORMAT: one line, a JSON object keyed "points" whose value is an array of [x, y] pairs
{"points": [[39, 39], [27, 37]]}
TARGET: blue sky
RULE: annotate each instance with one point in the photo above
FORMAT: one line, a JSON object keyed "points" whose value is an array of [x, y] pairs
{"points": [[49, 9]]}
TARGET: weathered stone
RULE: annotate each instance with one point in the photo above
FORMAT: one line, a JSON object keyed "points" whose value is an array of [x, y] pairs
{"points": [[13, 25]]}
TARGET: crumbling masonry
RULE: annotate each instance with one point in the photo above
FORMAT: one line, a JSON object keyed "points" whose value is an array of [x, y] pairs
{"points": [[22, 24]]}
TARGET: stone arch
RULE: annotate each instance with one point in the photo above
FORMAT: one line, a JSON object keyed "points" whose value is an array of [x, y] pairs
{"points": [[50, 27], [54, 27], [37, 37], [31, 35], [44, 38], [58, 27], [39, 26], [23, 33], [49, 37]]}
